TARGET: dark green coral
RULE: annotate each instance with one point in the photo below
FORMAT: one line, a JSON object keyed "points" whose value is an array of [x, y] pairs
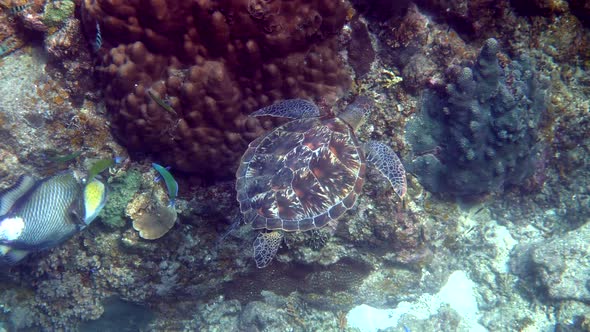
{"points": [[121, 191], [56, 12]]}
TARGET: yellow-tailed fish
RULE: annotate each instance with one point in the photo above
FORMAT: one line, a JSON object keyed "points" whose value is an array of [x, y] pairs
{"points": [[41, 214]]}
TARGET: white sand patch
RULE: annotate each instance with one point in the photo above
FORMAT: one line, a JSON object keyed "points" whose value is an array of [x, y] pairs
{"points": [[458, 293]]}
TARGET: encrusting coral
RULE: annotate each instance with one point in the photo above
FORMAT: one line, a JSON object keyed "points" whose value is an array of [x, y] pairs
{"points": [[212, 62]]}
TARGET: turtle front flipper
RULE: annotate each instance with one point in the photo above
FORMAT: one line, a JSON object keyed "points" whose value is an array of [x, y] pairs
{"points": [[290, 108], [388, 163]]}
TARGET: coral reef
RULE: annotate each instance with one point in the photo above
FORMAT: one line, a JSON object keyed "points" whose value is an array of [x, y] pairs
{"points": [[540, 7], [480, 135], [11, 35], [54, 23], [37, 116], [479, 17], [517, 252], [213, 63]]}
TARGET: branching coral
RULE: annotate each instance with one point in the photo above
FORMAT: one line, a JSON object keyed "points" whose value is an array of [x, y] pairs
{"points": [[213, 62]]}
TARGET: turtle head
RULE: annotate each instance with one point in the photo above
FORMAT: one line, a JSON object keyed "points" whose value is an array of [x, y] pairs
{"points": [[357, 111]]}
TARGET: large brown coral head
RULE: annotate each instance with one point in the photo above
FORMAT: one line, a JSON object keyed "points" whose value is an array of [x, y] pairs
{"points": [[213, 62]]}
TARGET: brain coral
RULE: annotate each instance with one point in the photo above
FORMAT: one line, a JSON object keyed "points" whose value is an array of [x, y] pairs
{"points": [[213, 62]]}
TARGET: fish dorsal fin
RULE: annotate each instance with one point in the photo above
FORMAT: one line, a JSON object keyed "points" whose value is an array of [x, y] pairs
{"points": [[10, 195]]}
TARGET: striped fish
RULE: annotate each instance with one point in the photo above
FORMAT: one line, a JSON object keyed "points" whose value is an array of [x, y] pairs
{"points": [[41, 214], [98, 39], [19, 8]]}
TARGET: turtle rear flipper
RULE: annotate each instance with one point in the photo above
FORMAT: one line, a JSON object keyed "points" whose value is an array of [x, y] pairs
{"points": [[266, 245], [290, 108], [388, 163]]}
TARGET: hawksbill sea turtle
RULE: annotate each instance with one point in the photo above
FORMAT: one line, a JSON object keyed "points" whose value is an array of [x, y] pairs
{"points": [[307, 172]]}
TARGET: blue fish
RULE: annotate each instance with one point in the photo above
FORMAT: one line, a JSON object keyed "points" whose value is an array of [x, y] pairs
{"points": [[171, 184], [158, 177]]}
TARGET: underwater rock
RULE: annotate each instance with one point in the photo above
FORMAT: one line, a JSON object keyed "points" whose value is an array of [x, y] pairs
{"points": [[221, 313], [360, 50], [261, 316], [559, 265], [120, 316]]}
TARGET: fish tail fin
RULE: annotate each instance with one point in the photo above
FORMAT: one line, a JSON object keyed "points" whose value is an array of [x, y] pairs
{"points": [[12, 256]]}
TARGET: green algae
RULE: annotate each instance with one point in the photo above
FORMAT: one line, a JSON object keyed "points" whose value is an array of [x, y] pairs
{"points": [[121, 191], [57, 12]]}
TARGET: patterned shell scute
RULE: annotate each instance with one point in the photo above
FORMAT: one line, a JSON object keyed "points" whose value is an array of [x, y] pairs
{"points": [[301, 175]]}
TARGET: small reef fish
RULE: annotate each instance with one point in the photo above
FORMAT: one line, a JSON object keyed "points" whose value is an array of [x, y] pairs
{"points": [[158, 177], [56, 158], [171, 184], [162, 103], [101, 165], [98, 39], [19, 8], [41, 214]]}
